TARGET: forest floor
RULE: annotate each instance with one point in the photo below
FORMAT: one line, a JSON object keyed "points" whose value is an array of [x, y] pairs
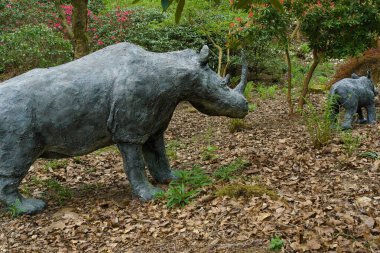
{"points": [[328, 198]]}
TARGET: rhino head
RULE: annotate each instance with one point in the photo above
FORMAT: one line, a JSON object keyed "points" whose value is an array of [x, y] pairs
{"points": [[211, 93]]}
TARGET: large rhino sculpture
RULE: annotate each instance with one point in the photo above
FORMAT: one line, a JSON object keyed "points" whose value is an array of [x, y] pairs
{"points": [[120, 95]]}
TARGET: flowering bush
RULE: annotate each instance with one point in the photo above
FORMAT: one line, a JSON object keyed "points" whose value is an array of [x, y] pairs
{"points": [[32, 46], [15, 14]]}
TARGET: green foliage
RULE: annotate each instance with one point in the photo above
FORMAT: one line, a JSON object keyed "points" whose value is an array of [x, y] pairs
{"points": [[370, 154], [247, 191], [32, 47], [319, 125], [16, 14], [57, 192], [15, 209], [266, 92], [178, 195], [96, 6], [226, 173], [185, 188], [158, 36], [350, 142], [276, 244], [194, 178], [340, 28], [304, 48], [209, 153], [112, 149], [55, 164], [248, 91], [236, 125], [252, 107], [54, 189]]}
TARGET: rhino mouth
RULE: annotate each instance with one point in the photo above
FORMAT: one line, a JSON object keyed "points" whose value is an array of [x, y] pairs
{"points": [[239, 110]]}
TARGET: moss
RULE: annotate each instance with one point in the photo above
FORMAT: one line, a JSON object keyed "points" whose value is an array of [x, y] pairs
{"points": [[112, 149], [239, 190]]}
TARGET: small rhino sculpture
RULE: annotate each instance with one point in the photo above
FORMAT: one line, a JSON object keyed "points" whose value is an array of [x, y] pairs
{"points": [[119, 95], [353, 94]]}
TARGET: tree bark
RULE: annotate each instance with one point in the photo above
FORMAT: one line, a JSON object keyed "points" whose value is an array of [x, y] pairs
{"points": [[81, 43], [289, 93], [305, 87]]}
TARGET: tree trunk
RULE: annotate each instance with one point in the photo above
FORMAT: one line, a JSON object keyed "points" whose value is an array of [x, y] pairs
{"points": [[81, 43], [289, 94], [305, 87], [68, 31]]}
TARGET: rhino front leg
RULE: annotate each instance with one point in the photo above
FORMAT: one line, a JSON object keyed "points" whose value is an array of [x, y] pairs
{"points": [[156, 159], [134, 167], [371, 113]]}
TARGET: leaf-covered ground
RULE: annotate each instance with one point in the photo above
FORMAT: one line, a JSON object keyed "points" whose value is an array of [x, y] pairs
{"points": [[329, 201]]}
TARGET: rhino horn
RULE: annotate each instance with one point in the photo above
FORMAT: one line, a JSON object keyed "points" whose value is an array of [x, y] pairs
{"points": [[369, 74], [203, 55], [243, 80], [226, 80]]}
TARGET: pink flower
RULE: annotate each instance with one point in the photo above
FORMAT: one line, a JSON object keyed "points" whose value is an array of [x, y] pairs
{"points": [[232, 25], [100, 42], [239, 19], [57, 25], [250, 14], [8, 6]]}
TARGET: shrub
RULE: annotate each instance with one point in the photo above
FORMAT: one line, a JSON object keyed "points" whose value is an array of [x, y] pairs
{"points": [[266, 92], [33, 46], [194, 178], [350, 142], [209, 153], [236, 125], [319, 125], [186, 187], [16, 14], [152, 32]]}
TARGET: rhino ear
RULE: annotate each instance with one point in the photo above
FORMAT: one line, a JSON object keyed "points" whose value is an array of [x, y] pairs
{"points": [[203, 55], [369, 74]]}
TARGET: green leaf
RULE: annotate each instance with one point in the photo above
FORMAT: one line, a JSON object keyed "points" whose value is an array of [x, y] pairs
{"points": [[276, 4], [178, 12]]}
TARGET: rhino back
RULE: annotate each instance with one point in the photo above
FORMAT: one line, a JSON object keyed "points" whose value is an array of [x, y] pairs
{"points": [[121, 90], [67, 105], [348, 87]]}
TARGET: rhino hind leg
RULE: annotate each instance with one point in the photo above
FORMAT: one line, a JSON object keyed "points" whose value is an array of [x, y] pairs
{"points": [[157, 161], [362, 120], [15, 161], [371, 113], [134, 167], [348, 117]]}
